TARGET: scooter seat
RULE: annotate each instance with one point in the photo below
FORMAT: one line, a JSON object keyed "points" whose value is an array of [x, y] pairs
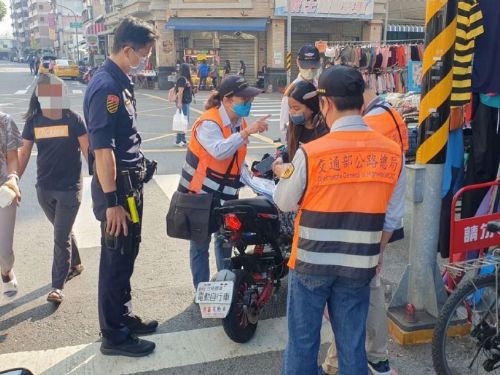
{"points": [[260, 204]]}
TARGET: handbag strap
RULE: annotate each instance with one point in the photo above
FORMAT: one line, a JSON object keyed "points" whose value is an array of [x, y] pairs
{"points": [[226, 175], [388, 110]]}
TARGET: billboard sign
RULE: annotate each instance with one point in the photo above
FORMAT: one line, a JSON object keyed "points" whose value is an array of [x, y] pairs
{"points": [[353, 9]]}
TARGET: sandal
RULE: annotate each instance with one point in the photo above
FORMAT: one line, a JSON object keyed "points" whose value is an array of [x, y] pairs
{"points": [[74, 272], [10, 287], [55, 296]]}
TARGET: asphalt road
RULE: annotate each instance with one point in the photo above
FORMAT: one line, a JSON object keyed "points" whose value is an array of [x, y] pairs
{"points": [[63, 340]]}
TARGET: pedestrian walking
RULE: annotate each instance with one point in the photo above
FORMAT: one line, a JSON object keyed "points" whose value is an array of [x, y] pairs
{"points": [[10, 196], [243, 68], [117, 185], [203, 71], [31, 63], [381, 117], [309, 62], [61, 137], [52, 64], [37, 65], [214, 158], [227, 68], [184, 91], [345, 186]]}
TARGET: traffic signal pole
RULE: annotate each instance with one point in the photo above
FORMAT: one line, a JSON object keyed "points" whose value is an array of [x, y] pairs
{"points": [[416, 303], [289, 43]]}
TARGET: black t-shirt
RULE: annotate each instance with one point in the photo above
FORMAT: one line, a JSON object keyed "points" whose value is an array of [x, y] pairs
{"points": [[59, 162], [187, 95]]}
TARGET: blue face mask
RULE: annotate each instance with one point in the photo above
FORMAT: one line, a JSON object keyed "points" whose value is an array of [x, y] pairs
{"points": [[299, 119], [242, 109]]}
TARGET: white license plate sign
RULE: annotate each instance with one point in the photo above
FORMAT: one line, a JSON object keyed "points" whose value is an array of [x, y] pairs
{"points": [[214, 298]]}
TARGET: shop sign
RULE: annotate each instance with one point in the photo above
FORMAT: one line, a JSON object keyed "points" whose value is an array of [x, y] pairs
{"points": [[92, 40], [358, 9], [278, 58], [196, 52], [415, 76]]}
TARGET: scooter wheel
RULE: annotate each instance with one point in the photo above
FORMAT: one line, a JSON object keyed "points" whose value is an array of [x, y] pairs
{"points": [[238, 323]]}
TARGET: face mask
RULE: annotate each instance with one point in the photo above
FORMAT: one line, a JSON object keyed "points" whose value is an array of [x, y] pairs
{"points": [[134, 70], [299, 119], [242, 109], [308, 74]]}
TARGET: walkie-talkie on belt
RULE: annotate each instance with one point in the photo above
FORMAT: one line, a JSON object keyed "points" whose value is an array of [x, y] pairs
{"points": [[129, 193]]}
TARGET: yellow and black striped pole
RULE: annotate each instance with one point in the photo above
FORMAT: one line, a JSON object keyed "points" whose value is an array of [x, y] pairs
{"points": [[421, 287], [434, 118]]}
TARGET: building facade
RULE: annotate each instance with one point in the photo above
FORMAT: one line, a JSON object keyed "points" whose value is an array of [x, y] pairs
{"points": [[251, 30], [20, 25]]}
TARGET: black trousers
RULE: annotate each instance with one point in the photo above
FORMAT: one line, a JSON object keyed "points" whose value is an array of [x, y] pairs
{"points": [[115, 270]]}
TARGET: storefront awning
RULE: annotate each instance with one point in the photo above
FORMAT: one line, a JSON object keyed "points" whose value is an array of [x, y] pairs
{"points": [[406, 28], [217, 24]]}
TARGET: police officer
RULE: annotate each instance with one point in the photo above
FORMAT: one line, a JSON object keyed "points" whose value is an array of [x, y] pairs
{"points": [[110, 113], [345, 185]]}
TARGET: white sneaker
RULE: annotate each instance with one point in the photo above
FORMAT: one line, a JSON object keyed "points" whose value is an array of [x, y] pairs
{"points": [[184, 144], [180, 144], [10, 288]]}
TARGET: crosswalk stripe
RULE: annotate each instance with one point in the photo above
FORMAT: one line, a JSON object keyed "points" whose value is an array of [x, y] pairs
{"points": [[277, 110], [77, 92], [175, 349], [20, 92], [86, 227]]}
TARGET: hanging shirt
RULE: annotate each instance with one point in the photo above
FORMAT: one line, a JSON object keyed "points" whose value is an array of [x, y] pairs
{"points": [[469, 27], [485, 72]]}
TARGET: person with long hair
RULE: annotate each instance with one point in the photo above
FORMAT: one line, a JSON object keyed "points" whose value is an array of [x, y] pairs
{"points": [[215, 156], [61, 138], [184, 89], [10, 141], [305, 121]]}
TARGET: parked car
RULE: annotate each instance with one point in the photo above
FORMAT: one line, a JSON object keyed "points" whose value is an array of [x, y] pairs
{"points": [[66, 69]]}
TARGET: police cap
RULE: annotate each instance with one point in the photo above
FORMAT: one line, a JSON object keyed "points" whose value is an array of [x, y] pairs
{"points": [[341, 81]]}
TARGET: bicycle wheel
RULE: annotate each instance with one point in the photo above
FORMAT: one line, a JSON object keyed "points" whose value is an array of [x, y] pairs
{"points": [[473, 305]]}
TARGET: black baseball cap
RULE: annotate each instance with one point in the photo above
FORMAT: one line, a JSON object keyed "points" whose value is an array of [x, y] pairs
{"points": [[237, 85], [341, 81], [309, 57]]}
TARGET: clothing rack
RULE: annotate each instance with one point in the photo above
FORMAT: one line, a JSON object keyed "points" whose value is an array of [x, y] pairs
{"points": [[381, 43]]}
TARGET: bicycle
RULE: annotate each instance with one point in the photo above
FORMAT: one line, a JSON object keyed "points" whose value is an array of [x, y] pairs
{"points": [[472, 310]]}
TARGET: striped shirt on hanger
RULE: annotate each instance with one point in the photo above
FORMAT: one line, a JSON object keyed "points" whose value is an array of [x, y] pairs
{"points": [[469, 27]]}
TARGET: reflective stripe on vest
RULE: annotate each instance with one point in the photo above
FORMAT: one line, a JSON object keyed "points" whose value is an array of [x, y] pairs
{"points": [[202, 173], [392, 126], [350, 180]]}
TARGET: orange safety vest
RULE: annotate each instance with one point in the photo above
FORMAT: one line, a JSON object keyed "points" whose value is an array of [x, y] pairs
{"points": [[387, 121], [351, 176], [202, 172]]}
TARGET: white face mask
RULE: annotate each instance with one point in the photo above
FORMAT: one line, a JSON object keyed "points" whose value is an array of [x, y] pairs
{"points": [[308, 74], [143, 61]]}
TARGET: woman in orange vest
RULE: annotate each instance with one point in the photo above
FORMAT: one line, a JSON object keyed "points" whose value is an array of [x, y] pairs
{"points": [[215, 156]]}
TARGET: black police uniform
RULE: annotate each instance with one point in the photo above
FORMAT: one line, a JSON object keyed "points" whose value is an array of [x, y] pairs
{"points": [[109, 110]]}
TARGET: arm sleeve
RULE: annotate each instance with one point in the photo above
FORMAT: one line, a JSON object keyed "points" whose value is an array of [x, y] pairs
{"points": [[28, 132], [14, 140], [212, 140], [396, 206], [103, 118], [79, 127], [284, 116], [290, 190]]}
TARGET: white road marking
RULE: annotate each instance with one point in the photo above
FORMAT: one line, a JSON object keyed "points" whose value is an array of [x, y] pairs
{"points": [[269, 110], [174, 349], [86, 227], [20, 92], [168, 183], [77, 92]]}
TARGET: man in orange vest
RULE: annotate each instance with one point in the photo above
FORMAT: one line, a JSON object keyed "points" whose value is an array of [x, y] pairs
{"points": [[346, 186], [380, 116]]}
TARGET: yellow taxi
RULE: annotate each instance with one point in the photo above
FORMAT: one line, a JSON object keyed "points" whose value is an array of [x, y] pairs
{"points": [[66, 69], [44, 64]]}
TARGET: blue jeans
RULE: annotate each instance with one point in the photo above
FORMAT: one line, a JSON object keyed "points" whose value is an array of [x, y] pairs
{"points": [[347, 301], [198, 254], [181, 136]]}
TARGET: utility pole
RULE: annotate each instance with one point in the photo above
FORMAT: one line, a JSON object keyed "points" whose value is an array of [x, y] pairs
{"points": [[289, 42], [76, 28]]}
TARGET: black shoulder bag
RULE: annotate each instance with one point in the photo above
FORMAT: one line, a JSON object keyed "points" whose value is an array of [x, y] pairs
{"points": [[191, 216]]}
